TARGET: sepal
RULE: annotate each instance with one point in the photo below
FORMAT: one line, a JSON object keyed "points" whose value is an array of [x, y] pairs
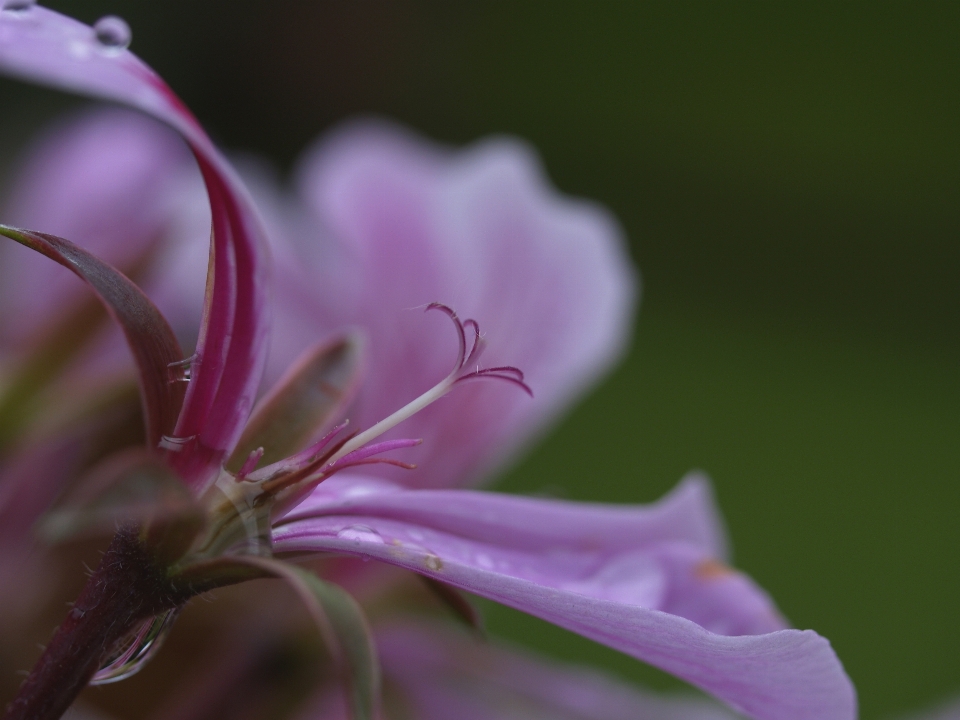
{"points": [[149, 336]]}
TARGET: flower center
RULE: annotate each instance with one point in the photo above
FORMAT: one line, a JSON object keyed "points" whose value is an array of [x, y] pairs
{"points": [[252, 497]]}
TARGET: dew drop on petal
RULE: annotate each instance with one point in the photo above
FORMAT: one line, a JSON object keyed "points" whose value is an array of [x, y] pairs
{"points": [[141, 645], [484, 561], [112, 32], [433, 562], [18, 5], [360, 534]]}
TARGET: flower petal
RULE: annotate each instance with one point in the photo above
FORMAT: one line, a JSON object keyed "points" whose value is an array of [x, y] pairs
{"points": [[625, 587], [444, 675], [687, 514], [343, 626], [43, 46], [104, 181], [395, 223]]}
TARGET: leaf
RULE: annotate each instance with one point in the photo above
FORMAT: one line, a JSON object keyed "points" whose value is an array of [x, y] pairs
{"points": [[338, 617], [152, 342], [302, 403]]}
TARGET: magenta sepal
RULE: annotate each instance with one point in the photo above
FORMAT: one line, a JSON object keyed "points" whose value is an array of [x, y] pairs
{"points": [[643, 580], [45, 47]]}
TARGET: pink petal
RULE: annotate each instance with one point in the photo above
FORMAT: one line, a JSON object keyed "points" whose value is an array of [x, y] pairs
{"points": [[395, 223], [104, 181], [29, 483], [43, 46], [687, 514], [624, 582], [446, 675]]}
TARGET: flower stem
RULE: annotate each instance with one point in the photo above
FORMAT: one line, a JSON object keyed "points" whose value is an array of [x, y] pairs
{"points": [[127, 587]]}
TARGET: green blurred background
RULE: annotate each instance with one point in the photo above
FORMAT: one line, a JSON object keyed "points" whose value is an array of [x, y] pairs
{"points": [[787, 176]]}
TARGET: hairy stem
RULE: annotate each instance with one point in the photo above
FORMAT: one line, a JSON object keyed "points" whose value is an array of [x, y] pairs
{"points": [[127, 587]]}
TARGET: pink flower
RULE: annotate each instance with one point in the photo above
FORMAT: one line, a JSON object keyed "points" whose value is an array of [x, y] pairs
{"points": [[442, 675], [399, 224], [389, 223]]}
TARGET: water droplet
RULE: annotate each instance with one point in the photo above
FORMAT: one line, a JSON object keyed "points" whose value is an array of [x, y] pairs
{"points": [[19, 5], [484, 561], [360, 534], [433, 562], [112, 32], [141, 645], [175, 444], [182, 370], [76, 613]]}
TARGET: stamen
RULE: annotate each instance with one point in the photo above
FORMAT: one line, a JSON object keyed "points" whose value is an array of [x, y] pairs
{"points": [[390, 422], [502, 370], [480, 375], [508, 373], [451, 313], [381, 461], [478, 342], [250, 464], [375, 449], [311, 453]]}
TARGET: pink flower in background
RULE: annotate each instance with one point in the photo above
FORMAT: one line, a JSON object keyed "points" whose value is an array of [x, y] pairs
{"points": [[385, 225], [389, 222], [122, 186], [443, 675]]}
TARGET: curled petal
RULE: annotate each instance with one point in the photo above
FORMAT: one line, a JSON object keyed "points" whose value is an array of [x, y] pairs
{"points": [[43, 46], [640, 582]]}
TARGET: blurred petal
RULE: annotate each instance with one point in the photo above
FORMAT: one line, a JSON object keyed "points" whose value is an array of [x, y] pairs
{"points": [[633, 582], [29, 483], [395, 223], [444, 675], [43, 46], [104, 181]]}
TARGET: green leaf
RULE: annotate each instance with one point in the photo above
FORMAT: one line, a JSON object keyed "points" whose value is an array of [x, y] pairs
{"points": [[302, 403], [337, 615], [154, 346]]}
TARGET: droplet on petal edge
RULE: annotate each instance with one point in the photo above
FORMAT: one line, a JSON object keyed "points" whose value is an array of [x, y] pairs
{"points": [[112, 32], [141, 646], [18, 6], [360, 534]]}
